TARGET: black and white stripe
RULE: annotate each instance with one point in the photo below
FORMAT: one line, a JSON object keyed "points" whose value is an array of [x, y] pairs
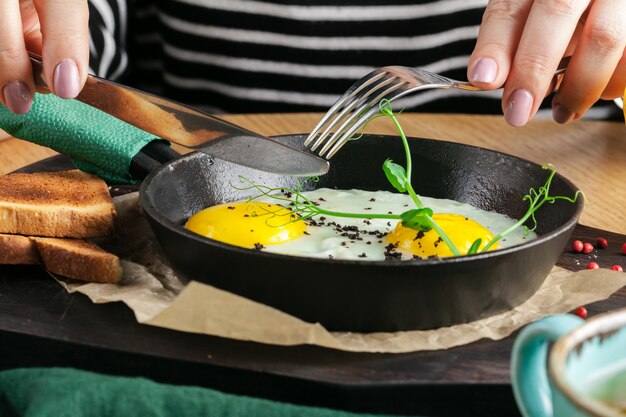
{"points": [[250, 56], [284, 55], [108, 22]]}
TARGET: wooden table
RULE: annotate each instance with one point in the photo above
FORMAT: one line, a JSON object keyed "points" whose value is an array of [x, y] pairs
{"points": [[42, 325]]}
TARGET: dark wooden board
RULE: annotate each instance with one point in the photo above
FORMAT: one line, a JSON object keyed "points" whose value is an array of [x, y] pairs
{"points": [[42, 325]]}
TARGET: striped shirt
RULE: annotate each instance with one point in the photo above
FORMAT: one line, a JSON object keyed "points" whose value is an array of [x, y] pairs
{"points": [[285, 55]]}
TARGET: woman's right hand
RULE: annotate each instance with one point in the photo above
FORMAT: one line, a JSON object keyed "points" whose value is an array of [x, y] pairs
{"points": [[57, 30], [522, 41]]}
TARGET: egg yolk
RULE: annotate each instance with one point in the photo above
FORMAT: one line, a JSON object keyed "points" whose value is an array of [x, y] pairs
{"points": [[247, 224], [461, 230]]}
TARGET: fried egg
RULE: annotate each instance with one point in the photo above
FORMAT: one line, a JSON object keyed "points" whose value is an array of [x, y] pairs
{"points": [[264, 225]]}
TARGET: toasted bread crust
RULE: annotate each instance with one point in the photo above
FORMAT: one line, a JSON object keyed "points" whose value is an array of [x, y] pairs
{"points": [[18, 250], [55, 204], [79, 259]]}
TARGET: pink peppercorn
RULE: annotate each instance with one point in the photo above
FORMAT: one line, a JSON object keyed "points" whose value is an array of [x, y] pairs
{"points": [[581, 312], [601, 243], [577, 246], [587, 247], [593, 265], [617, 268]]}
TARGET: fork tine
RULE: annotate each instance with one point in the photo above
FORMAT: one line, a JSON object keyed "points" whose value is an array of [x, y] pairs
{"points": [[356, 100], [361, 121], [339, 141], [352, 91], [357, 117]]}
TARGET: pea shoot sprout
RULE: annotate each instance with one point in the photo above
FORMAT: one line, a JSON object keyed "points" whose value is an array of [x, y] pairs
{"points": [[536, 199]]}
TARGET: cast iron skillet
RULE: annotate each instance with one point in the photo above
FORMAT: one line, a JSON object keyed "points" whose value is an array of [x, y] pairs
{"points": [[369, 296]]}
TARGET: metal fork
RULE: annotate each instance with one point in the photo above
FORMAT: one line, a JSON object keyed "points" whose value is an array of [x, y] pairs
{"points": [[360, 103]]}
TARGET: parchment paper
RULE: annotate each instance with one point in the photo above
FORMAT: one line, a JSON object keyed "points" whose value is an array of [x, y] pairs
{"points": [[159, 298]]}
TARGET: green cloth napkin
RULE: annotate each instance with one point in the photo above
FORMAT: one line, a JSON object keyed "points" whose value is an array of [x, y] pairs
{"points": [[59, 392], [96, 142]]}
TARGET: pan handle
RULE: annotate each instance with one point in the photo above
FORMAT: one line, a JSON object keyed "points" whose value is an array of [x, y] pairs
{"points": [[151, 156]]}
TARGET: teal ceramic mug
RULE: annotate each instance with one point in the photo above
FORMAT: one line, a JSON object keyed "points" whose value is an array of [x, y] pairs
{"points": [[584, 373]]}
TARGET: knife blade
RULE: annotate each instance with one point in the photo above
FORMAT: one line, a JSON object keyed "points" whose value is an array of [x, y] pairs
{"points": [[191, 128]]}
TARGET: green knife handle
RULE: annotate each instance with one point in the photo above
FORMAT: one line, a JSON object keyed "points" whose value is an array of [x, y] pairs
{"points": [[96, 142]]}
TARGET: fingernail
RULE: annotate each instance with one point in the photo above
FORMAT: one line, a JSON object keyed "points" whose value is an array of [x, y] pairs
{"points": [[66, 79], [18, 97], [518, 110], [562, 115], [485, 71]]}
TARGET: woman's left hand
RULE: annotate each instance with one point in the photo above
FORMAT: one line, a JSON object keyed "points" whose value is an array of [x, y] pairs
{"points": [[522, 41]]}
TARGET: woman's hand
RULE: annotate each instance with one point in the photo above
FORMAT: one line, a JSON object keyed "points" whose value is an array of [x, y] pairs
{"points": [[522, 41], [57, 30]]}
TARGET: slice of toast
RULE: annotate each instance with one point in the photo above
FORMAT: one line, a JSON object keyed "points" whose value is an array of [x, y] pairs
{"points": [[72, 258], [18, 250], [55, 204], [79, 259]]}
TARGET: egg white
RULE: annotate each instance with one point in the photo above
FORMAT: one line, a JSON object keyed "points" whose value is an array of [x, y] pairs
{"points": [[327, 236]]}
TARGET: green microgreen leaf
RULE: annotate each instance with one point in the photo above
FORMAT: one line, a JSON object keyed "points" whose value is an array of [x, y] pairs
{"points": [[396, 174], [474, 248], [417, 219]]}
